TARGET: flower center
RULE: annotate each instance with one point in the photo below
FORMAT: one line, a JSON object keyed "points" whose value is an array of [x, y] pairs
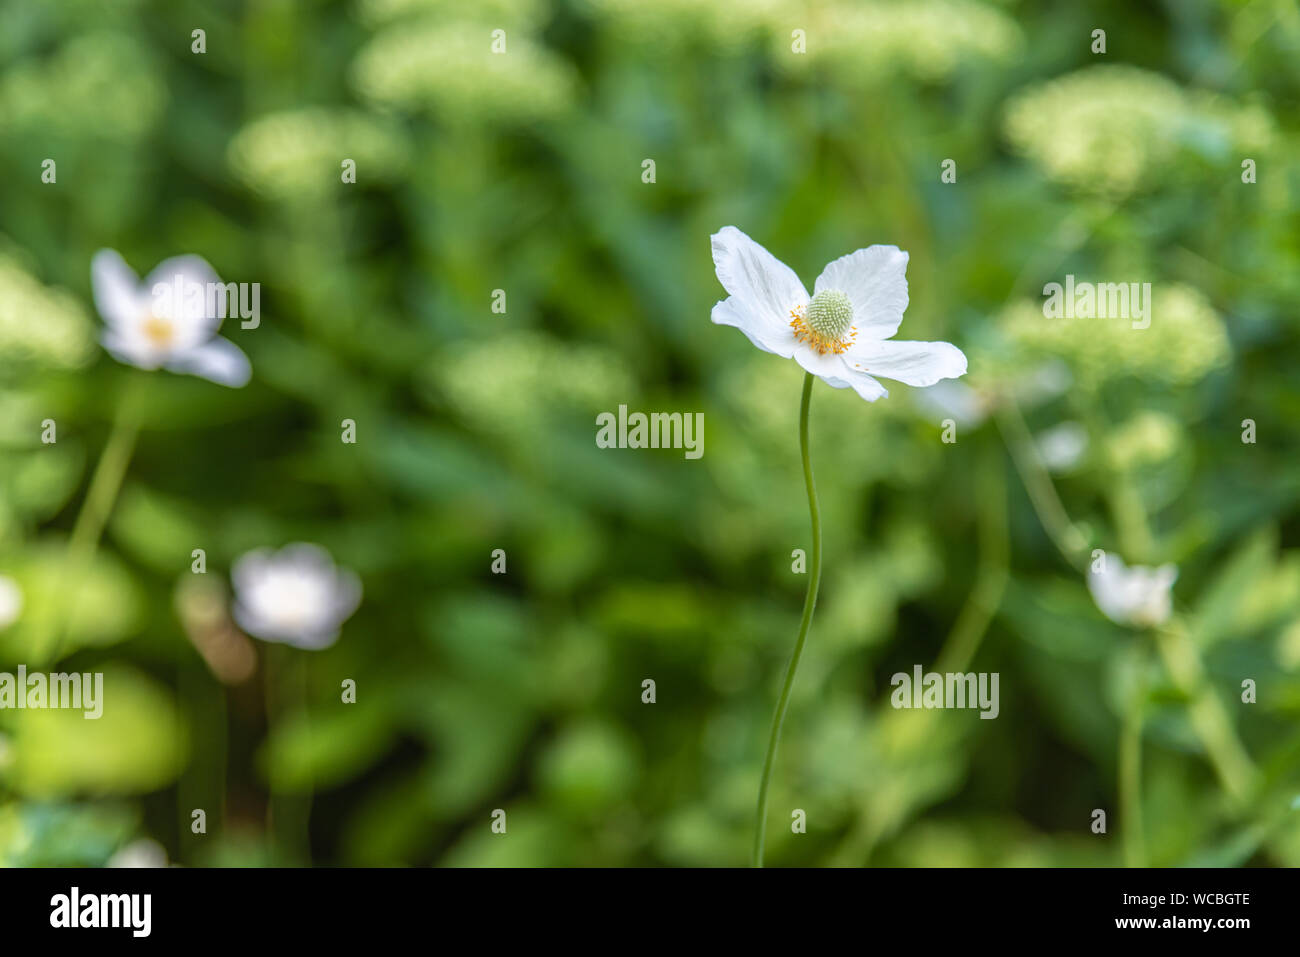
{"points": [[826, 323], [158, 331]]}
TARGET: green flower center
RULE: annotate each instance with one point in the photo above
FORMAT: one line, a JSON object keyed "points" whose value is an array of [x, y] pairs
{"points": [[830, 314]]}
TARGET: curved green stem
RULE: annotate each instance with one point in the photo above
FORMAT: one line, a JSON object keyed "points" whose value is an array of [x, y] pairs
{"points": [[98, 504], [1038, 483], [1235, 770], [992, 566], [809, 603], [913, 730]]}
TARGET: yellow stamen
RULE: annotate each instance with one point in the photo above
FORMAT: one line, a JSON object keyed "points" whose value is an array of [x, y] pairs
{"points": [[158, 331], [804, 333]]}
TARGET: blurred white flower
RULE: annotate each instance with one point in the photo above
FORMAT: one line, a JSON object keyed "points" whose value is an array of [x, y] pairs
{"points": [[141, 853], [296, 595], [168, 331], [1139, 596], [970, 405], [842, 332], [1062, 446], [11, 601]]}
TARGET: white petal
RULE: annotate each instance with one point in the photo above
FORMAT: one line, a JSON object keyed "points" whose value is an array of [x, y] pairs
{"points": [[1062, 446], [313, 641], [250, 569], [828, 365], [1109, 589], [763, 290], [116, 288], [957, 401], [11, 601], [218, 360], [1138, 596], [195, 322], [914, 363], [728, 312], [833, 370], [141, 853], [254, 624], [188, 269], [306, 558], [875, 280], [347, 594], [127, 347], [867, 387]]}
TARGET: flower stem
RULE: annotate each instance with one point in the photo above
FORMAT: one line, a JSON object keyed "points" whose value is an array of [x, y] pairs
{"points": [[98, 504], [288, 808], [914, 730], [991, 572], [1038, 483], [1130, 780], [809, 603], [1235, 770]]}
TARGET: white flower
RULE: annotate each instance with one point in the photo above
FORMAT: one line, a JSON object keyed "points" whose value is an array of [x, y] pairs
{"points": [[970, 405], [1062, 446], [966, 406], [141, 853], [842, 332], [1138, 596], [175, 332], [296, 595], [11, 601]]}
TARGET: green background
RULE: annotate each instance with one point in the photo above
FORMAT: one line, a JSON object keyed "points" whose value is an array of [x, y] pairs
{"points": [[523, 172]]}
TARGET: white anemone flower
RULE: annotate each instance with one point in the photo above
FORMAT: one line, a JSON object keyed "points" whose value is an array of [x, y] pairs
{"points": [[11, 601], [296, 596], [971, 405], [148, 326], [842, 332], [967, 406], [142, 853], [1063, 446], [1139, 596]]}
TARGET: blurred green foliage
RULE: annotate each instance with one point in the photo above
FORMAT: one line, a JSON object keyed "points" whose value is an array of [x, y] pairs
{"points": [[523, 172]]}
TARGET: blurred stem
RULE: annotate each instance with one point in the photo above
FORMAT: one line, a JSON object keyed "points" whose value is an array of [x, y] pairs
{"points": [[288, 813], [1182, 658], [1130, 517], [98, 503], [972, 624], [1128, 511], [809, 603], [1231, 764], [204, 783], [1130, 780], [991, 579], [1038, 483], [1070, 235]]}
